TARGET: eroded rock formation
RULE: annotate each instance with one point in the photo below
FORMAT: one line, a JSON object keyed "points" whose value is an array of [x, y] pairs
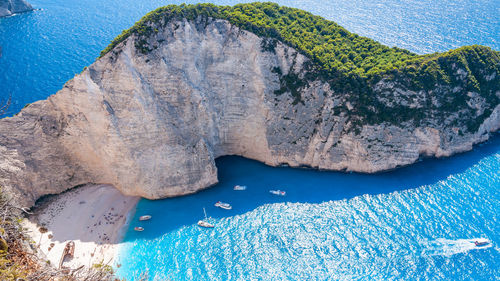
{"points": [[152, 124], [9, 7]]}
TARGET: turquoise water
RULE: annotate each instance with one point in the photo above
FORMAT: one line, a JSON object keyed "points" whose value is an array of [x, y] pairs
{"points": [[415, 223], [410, 224]]}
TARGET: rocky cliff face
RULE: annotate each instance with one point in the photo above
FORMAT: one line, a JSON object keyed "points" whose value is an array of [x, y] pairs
{"points": [[9, 7], [152, 124]]}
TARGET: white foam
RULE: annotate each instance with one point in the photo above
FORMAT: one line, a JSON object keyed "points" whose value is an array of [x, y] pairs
{"points": [[448, 247]]}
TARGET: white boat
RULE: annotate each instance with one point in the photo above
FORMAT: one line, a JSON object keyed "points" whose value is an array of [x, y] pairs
{"points": [[204, 223], [240, 187], [138, 228], [278, 192], [145, 218], [223, 205]]}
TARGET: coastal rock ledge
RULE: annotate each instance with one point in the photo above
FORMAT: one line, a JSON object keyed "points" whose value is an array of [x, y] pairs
{"points": [[152, 123], [10, 7]]}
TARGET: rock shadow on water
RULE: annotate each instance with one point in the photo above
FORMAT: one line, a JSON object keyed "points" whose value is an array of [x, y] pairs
{"points": [[301, 186]]}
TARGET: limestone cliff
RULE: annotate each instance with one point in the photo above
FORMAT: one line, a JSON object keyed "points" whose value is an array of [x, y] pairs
{"points": [[152, 123], [9, 7]]}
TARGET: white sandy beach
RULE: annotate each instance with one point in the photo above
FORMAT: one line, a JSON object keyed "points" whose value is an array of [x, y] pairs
{"points": [[93, 216]]}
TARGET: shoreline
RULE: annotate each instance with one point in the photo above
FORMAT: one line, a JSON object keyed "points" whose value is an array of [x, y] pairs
{"points": [[94, 217]]}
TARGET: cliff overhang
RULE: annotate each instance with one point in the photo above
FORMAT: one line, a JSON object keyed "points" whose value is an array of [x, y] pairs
{"points": [[185, 87]]}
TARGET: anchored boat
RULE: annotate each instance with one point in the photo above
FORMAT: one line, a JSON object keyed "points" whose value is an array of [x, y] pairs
{"points": [[145, 218], [138, 228], [240, 187], [223, 205], [278, 192], [204, 223]]}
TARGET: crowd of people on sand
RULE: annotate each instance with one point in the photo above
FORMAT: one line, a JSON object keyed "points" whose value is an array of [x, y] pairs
{"points": [[108, 218]]}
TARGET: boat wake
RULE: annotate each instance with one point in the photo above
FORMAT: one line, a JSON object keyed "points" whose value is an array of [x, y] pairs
{"points": [[448, 247]]}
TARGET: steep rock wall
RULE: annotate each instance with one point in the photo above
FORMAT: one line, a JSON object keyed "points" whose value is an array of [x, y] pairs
{"points": [[152, 124], [9, 7]]}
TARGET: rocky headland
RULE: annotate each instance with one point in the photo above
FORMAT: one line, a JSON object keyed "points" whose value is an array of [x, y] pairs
{"points": [[189, 84], [10, 7]]}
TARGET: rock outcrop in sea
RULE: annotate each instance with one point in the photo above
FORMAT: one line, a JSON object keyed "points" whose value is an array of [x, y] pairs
{"points": [[152, 123], [9, 7]]}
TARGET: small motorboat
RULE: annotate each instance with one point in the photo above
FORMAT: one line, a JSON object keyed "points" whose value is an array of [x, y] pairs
{"points": [[138, 228], [203, 223], [278, 192], [240, 187], [145, 218], [481, 243], [223, 205]]}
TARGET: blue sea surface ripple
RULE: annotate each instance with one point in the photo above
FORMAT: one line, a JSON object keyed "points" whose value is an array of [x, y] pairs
{"points": [[330, 226], [410, 224]]}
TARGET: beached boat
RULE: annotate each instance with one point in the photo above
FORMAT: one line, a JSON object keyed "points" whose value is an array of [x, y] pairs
{"points": [[138, 228], [223, 205], [145, 218], [240, 187], [204, 223], [69, 251], [278, 192]]}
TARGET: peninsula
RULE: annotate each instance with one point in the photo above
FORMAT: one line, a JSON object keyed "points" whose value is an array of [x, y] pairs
{"points": [[190, 83]]}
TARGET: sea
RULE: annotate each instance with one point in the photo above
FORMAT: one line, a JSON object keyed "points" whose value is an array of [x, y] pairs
{"points": [[414, 223]]}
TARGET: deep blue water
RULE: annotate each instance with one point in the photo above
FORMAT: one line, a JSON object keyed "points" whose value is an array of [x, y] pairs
{"points": [[44, 49], [413, 223]]}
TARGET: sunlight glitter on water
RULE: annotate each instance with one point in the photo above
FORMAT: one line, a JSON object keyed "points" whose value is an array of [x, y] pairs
{"points": [[426, 231]]}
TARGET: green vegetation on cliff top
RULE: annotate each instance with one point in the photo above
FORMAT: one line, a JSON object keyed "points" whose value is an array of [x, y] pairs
{"points": [[349, 62], [330, 46]]}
